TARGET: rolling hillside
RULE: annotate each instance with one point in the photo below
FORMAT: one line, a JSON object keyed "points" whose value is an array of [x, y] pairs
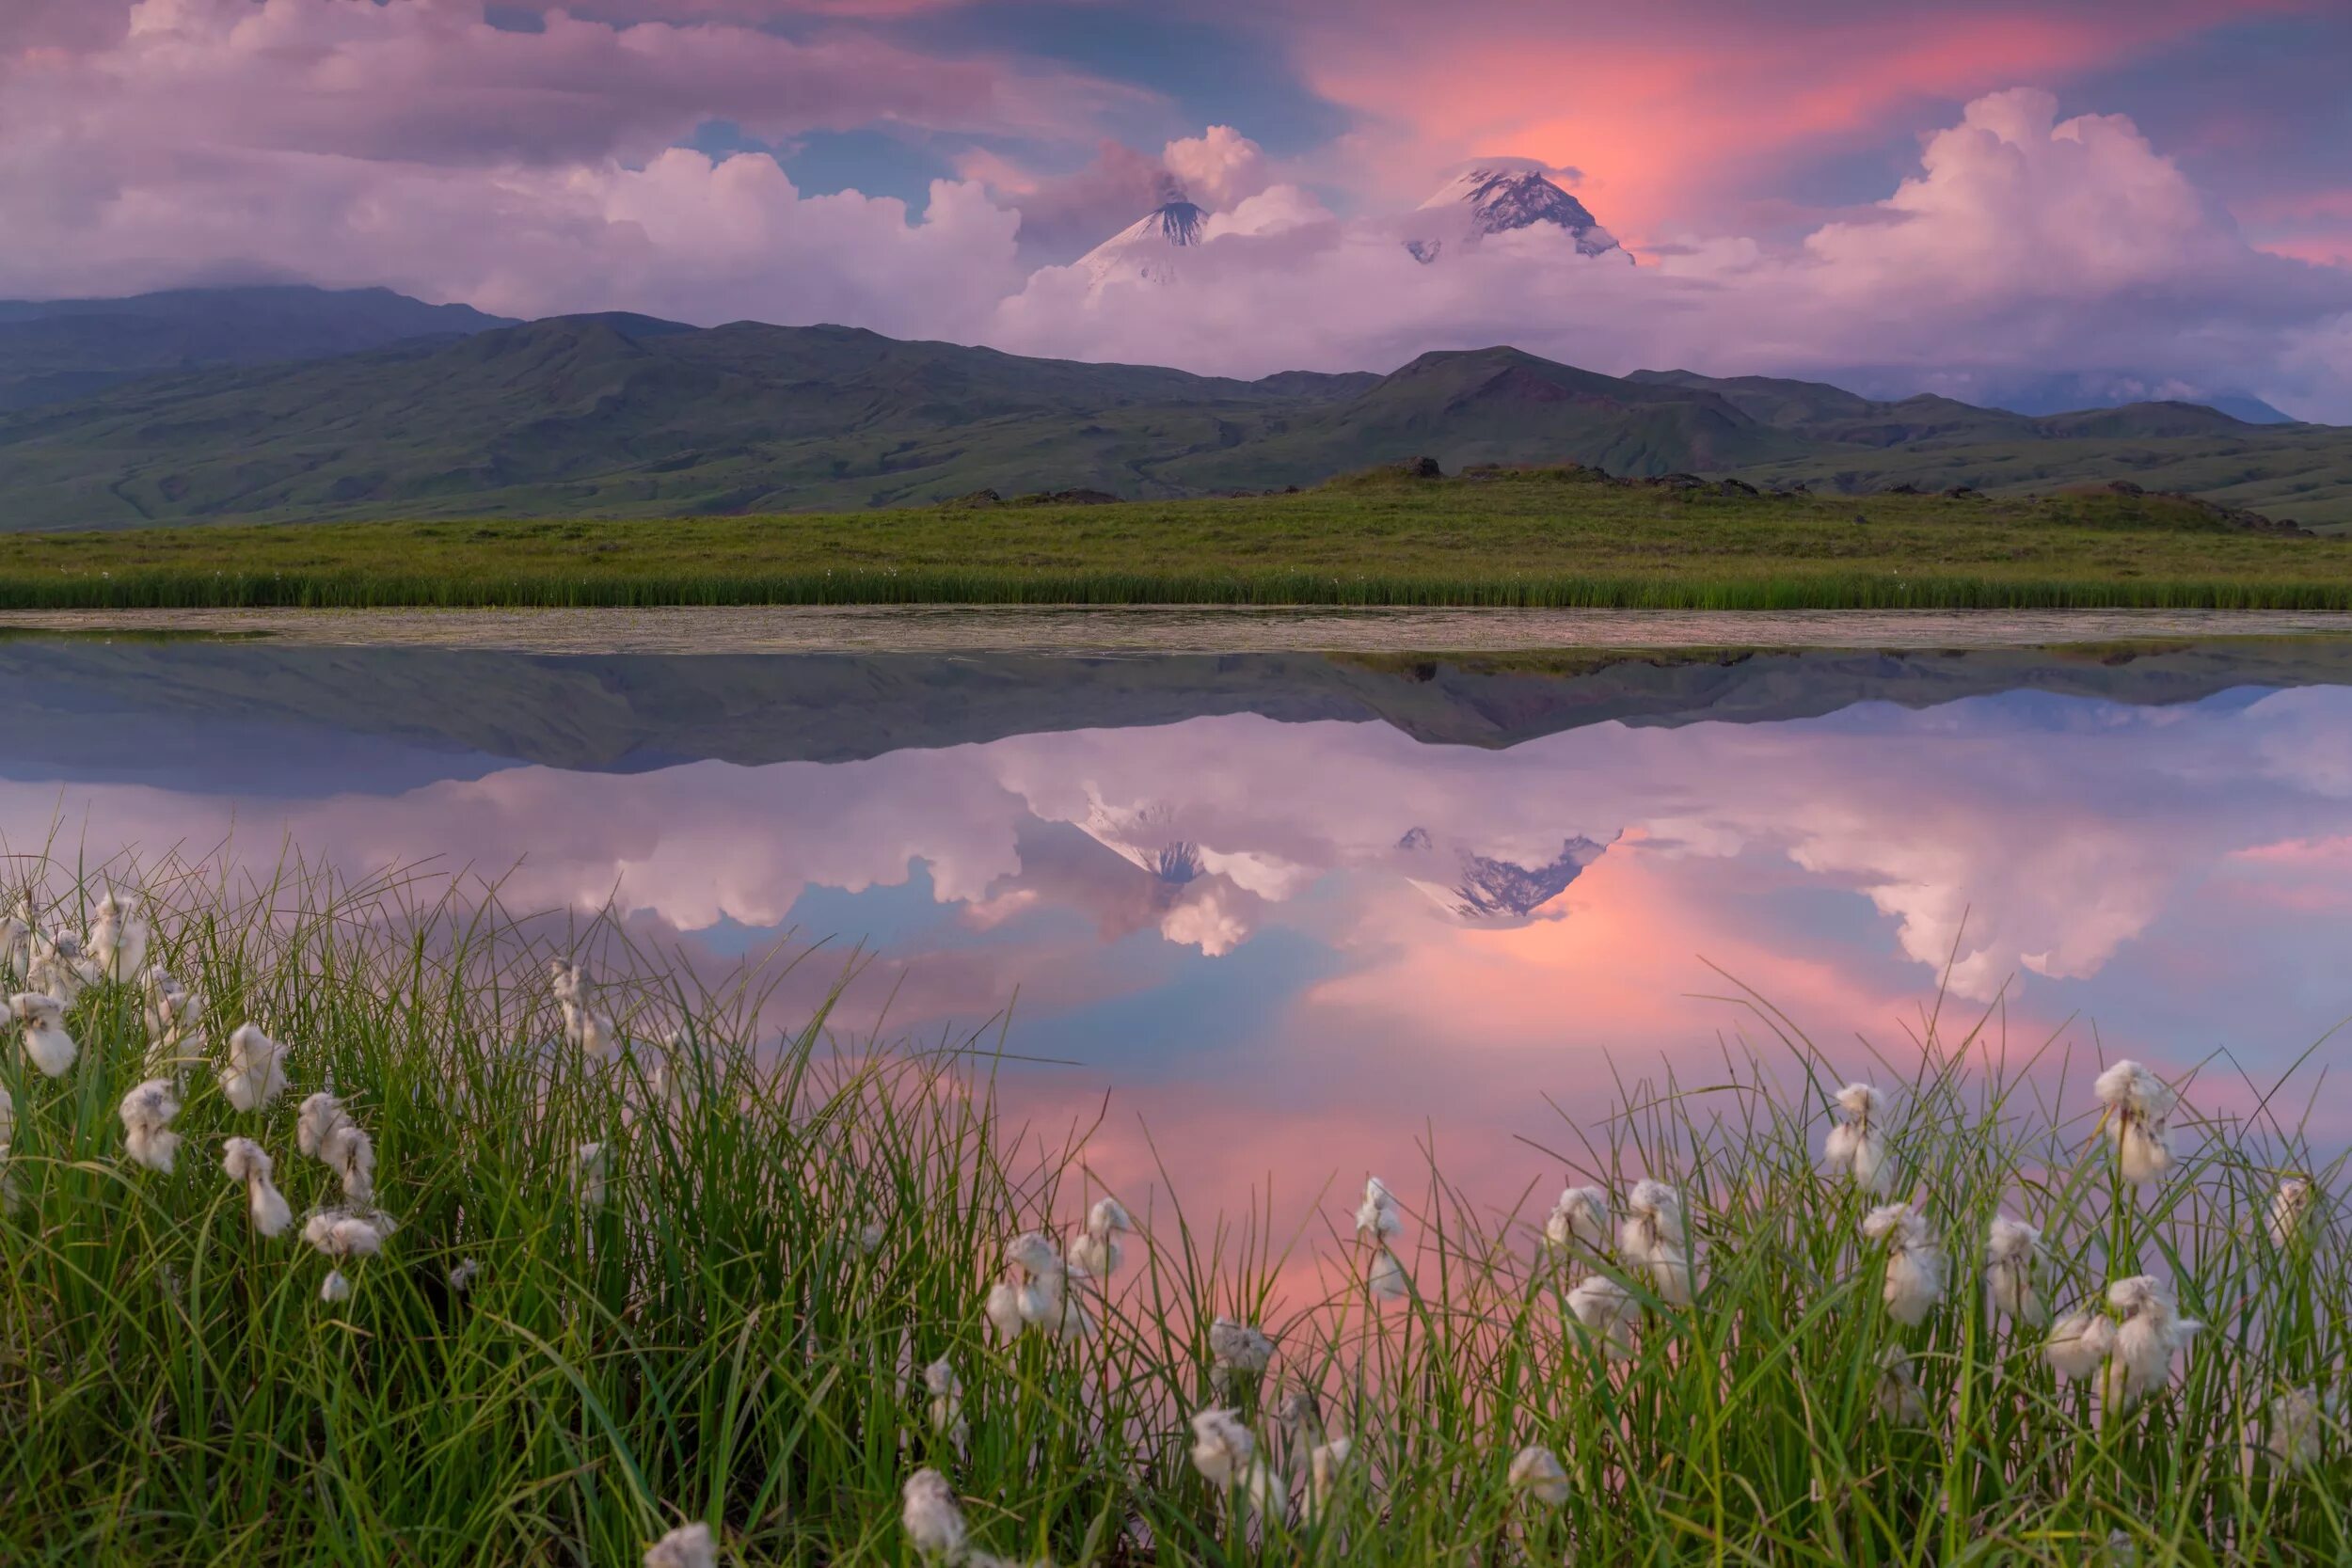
{"points": [[55, 350], [627, 415]]}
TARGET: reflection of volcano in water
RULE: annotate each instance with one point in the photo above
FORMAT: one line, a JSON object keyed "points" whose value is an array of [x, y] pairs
{"points": [[1488, 887]]}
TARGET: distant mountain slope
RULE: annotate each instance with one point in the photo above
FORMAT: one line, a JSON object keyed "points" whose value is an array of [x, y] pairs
{"points": [[1498, 406], [53, 350], [628, 416]]}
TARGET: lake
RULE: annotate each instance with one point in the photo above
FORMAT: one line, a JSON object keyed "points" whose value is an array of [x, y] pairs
{"points": [[1277, 915]]}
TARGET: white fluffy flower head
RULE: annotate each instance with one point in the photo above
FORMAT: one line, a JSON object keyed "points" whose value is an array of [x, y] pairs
{"points": [[1239, 1347], [687, 1546], [1579, 1221], [2013, 1251], [243, 1160], [254, 1072], [1378, 1217], [2138, 1117], [1222, 1447], [147, 1135], [1856, 1147], [1537, 1472], [934, 1521]]}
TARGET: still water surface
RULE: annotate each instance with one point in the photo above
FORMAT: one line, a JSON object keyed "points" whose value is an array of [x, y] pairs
{"points": [[1298, 914]]}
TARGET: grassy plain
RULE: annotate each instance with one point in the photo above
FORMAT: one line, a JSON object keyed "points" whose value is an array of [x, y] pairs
{"points": [[1533, 538]]}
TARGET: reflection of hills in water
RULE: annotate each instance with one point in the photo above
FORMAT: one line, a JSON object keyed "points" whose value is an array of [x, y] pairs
{"points": [[106, 708]]}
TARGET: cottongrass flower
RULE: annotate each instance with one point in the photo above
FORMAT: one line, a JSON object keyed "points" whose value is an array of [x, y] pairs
{"points": [[2079, 1343], [2287, 1434], [1238, 1348], [254, 1073], [591, 1031], [243, 1160], [1916, 1266], [1095, 1251], [2011, 1252], [57, 967], [2152, 1331], [147, 1135], [1856, 1147], [1003, 1311], [16, 936], [1326, 1465], [2139, 1118], [174, 1018], [1579, 1222], [118, 940], [2289, 1204], [1040, 1286], [461, 1278], [1387, 1279], [1651, 1237], [934, 1523], [1899, 1399], [1536, 1471], [1603, 1309], [591, 1170], [343, 1236], [324, 1132], [946, 1404], [1223, 1449], [1378, 1217], [687, 1546], [162, 998], [41, 1018]]}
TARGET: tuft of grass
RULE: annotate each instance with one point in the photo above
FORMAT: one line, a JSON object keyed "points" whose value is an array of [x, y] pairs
{"points": [[721, 1342]]}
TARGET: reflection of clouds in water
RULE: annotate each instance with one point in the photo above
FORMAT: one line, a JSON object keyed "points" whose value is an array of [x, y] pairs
{"points": [[2305, 741], [2038, 835], [1393, 939]]}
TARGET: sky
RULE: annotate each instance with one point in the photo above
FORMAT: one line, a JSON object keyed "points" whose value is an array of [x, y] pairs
{"points": [[2149, 197]]}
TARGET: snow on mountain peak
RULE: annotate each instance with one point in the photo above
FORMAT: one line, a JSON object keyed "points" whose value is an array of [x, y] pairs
{"points": [[1145, 248], [1500, 196]]}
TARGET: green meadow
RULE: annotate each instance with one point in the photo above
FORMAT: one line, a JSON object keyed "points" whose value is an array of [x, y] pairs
{"points": [[1543, 537], [610, 1273]]}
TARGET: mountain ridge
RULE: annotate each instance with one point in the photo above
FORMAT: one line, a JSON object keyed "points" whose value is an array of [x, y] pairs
{"points": [[62, 349], [617, 414]]}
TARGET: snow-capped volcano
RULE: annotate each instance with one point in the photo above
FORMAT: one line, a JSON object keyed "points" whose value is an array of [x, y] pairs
{"points": [[1148, 247], [1496, 198]]}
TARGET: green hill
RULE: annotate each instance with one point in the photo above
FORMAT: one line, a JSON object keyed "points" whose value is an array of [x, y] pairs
{"points": [[629, 417], [58, 350]]}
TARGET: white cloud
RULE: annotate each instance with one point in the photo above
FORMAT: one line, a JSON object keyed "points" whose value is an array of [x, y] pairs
{"points": [[2025, 243]]}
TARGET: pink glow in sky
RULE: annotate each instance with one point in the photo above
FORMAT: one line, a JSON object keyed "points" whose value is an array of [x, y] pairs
{"points": [[1944, 195]]}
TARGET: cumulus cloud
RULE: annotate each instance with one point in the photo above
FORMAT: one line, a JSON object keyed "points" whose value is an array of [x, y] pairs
{"points": [[2025, 242], [1064, 215], [1220, 168], [412, 144]]}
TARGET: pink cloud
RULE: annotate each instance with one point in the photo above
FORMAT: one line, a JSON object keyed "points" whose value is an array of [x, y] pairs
{"points": [[1680, 111], [2024, 242], [414, 145]]}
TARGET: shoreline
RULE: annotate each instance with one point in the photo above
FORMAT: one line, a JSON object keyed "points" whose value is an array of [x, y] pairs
{"points": [[1080, 629]]}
